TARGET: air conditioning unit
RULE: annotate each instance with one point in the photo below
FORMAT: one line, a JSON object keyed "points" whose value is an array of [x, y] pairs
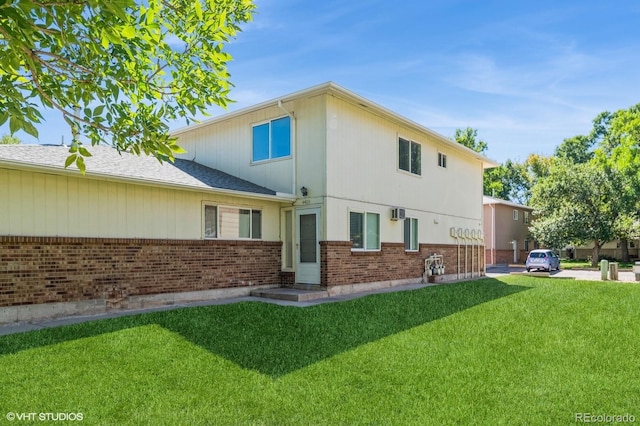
{"points": [[398, 214]]}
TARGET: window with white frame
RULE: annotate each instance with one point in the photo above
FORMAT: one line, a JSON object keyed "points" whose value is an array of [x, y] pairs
{"points": [[526, 217], [232, 223], [409, 156], [515, 214], [442, 160], [364, 230], [288, 239], [411, 234], [271, 140]]}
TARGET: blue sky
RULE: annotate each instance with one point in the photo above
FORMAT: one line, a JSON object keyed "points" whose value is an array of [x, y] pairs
{"points": [[526, 75]]}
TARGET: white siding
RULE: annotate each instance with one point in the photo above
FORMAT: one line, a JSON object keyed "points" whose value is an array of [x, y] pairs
{"points": [[226, 145], [362, 173], [311, 131], [38, 204]]}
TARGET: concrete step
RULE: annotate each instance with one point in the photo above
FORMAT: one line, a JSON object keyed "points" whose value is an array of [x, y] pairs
{"points": [[291, 294]]}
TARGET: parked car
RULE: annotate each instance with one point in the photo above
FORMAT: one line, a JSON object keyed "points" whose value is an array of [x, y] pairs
{"points": [[542, 259]]}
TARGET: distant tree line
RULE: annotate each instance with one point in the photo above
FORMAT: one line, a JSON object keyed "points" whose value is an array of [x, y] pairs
{"points": [[588, 191]]}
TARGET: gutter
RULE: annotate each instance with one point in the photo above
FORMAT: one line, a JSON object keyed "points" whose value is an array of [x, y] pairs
{"points": [[344, 94], [60, 171], [493, 232]]}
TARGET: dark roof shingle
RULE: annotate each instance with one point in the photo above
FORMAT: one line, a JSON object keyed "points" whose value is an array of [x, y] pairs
{"points": [[108, 162]]}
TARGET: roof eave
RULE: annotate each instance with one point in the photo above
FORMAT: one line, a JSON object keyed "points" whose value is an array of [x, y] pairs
{"points": [[339, 91], [61, 171]]}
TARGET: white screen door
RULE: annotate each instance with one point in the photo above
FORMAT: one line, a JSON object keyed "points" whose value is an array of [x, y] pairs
{"points": [[307, 246]]}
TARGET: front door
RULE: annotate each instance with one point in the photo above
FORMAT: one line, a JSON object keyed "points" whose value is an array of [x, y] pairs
{"points": [[307, 246]]}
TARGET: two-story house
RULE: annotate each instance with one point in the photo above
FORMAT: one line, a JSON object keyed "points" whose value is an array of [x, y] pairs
{"points": [[506, 231], [351, 165], [321, 187]]}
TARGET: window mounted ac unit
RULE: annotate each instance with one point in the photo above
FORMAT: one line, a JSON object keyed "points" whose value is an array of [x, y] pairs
{"points": [[398, 214]]}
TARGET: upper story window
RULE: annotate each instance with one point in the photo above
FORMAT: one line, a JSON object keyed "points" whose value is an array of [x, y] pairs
{"points": [[526, 217], [272, 139], [410, 156], [515, 214], [442, 160], [232, 223]]}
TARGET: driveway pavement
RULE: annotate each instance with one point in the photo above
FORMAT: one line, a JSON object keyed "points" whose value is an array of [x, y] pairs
{"points": [[578, 274]]}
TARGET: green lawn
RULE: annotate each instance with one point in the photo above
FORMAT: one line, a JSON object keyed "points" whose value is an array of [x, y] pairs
{"points": [[520, 350]]}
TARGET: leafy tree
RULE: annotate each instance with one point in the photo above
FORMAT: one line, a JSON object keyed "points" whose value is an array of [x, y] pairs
{"points": [[538, 166], [577, 204], [9, 140], [576, 149], [619, 151], [495, 182], [469, 138], [509, 181], [117, 70]]}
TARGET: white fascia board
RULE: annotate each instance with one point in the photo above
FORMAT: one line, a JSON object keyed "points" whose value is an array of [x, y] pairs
{"points": [[339, 91], [60, 171]]}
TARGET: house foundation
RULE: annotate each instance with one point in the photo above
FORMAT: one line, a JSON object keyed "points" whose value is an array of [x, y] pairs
{"points": [[42, 270]]}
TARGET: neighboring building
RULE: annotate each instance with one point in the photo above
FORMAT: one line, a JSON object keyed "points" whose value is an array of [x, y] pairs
{"points": [[610, 250], [320, 187], [506, 231]]}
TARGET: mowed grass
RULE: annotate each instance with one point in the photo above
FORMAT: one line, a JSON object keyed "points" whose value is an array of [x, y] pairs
{"points": [[519, 350]]}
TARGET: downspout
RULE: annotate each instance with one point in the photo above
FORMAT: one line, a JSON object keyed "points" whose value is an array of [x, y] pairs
{"points": [[493, 233], [471, 238], [480, 240], [464, 237], [458, 268], [294, 148]]}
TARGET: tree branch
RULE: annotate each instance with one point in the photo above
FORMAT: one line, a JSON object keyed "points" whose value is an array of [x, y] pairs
{"points": [[59, 107], [61, 59]]}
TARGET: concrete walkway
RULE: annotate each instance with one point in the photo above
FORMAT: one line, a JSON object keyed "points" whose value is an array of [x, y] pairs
{"points": [[37, 325], [492, 271]]}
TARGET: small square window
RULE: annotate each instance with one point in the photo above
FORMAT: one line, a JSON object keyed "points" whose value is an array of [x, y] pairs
{"points": [[442, 160]]}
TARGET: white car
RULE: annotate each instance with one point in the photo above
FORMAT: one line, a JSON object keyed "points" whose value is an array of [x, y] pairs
{"points": [[542, 259]]}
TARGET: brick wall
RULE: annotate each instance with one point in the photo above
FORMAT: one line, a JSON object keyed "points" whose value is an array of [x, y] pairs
{"points": [[37, 270], [506, 256], [341, 266]]}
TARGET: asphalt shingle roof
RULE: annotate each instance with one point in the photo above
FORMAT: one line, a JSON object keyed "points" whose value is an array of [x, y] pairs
{"points": [[106, 161]]}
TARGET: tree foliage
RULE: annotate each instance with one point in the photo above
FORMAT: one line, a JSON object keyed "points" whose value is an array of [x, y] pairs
{"points": [[509, 181], [576, 204], [469, 138], [576, 149], [9, 140], [117, 70]]}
